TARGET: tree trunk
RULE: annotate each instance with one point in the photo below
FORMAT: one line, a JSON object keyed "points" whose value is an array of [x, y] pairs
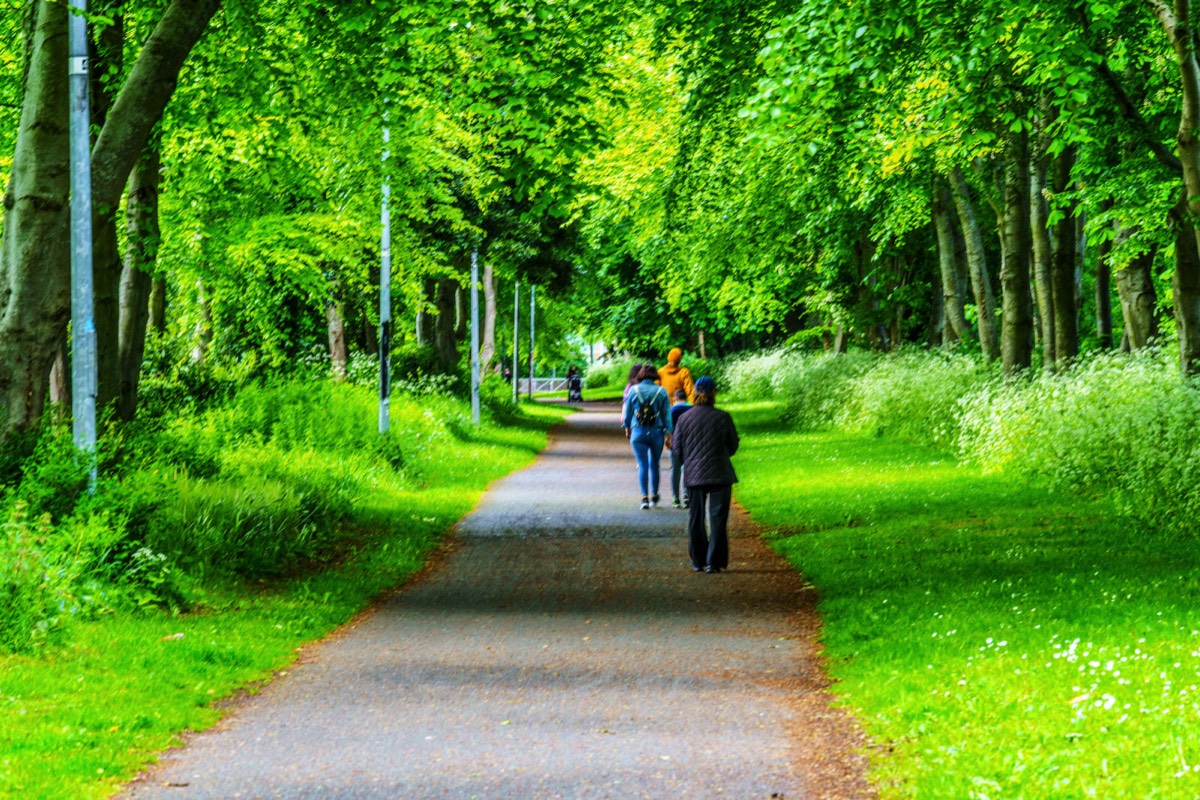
{"points": [[1177, 24], [203, 333], [981, 285], [1139, 300], [1016, 346], [370, 338], [60, 380], [425, 317], [445, 343], [1043, 256], [487, 350], [144, 235], [1104, 320], [462, 314], [107, 59], [158, 304], [953, 298], [336, 325], [34, 253], [1064, 274], [1185, 288]]}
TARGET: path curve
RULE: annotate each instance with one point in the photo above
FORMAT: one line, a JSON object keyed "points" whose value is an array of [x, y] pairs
{"points": [[560, 648]]}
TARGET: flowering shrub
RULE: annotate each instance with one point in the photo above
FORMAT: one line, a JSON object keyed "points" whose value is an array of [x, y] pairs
{"points": [[1118, 424]]}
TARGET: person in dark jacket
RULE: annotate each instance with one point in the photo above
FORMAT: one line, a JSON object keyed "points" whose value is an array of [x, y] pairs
{"points": [[703, 443]]}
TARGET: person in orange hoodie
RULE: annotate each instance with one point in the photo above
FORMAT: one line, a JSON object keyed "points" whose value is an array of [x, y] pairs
{"points": [[673, 377]]}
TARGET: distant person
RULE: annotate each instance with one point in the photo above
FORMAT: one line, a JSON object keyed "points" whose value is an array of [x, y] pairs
{"points": [[574, 385], [647, 424], [675, 377], [677, 410], [704, 442], [634, 375]]}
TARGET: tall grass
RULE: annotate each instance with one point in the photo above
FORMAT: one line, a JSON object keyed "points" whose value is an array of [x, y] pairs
{"points": [[1115, 424], [276, 480]]}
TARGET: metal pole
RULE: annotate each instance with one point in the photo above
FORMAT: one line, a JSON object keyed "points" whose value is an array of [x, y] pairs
{"points": [[516, 337], [475, 337], [385, 287], [532, 316], [83, 323]]}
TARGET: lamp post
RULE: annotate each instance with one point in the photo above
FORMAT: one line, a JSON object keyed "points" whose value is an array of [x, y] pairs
{"points": [[83, 323], [532, 315], [475, 336], [385, 286], [516, 337]]}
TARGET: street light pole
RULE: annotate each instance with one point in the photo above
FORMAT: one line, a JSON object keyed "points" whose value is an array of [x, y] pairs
{"points": [[475, 336], [83, 323], [532, 317], [385, 287], [516, 337]]}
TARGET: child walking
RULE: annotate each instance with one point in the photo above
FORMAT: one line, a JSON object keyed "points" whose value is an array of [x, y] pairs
{"points": [[677, 410]]}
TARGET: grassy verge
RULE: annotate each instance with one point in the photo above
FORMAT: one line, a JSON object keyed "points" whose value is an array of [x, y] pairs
{"points": [[995, 639], [78, 719]]}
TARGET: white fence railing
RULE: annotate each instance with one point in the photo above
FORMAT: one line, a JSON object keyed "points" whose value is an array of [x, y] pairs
{"points": [[543, 385]]}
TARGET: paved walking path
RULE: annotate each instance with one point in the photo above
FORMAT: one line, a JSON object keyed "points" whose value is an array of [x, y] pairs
{"points": [[561, 647]]}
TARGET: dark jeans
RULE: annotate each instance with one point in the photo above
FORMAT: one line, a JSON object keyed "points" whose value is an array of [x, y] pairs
{"points": [[711, 550]]}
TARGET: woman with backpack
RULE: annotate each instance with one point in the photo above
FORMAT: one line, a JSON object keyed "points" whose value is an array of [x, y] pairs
{"points": [[647, 424]]}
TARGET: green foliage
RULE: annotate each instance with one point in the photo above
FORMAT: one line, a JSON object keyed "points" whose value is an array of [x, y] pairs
{"points": [[33, 583], [274, 482], [1118, 425]]}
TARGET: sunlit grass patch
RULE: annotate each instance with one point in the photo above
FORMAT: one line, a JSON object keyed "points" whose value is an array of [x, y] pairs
{"points": [[995, 638]]}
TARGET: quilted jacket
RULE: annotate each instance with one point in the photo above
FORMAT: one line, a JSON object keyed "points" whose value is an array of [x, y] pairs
{"points": [[703, 443]]}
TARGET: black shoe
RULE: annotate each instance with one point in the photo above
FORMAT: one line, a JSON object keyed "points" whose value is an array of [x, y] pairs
{"points": [[654, 501], [697, 569], [645, 503], [712, 570]]}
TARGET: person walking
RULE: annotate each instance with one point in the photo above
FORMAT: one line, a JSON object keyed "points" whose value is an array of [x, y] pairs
{"points": [[574, 385], [675, 377], [634, 375], [677, 410], [647, 423], [704, 443]]}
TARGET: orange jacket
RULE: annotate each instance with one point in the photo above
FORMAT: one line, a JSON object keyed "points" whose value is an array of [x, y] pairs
{"points": [[673, 378]]}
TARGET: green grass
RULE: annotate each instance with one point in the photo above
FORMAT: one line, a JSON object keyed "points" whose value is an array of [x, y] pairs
{"points": [[589, 395], [995, 640], [79, 719]]}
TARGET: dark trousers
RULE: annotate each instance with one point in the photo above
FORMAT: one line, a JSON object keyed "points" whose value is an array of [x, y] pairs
{"points": [[711, 549]]}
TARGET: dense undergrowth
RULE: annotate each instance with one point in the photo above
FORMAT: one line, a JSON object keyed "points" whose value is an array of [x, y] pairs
{"points": [[275, 481], [1117, 425]]}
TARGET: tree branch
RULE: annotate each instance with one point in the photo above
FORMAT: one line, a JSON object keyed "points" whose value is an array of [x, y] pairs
{"points": [[1131, 113], [144, 96]]}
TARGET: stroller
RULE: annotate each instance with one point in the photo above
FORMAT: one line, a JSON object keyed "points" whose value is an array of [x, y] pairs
{"points": [[574, 388]]}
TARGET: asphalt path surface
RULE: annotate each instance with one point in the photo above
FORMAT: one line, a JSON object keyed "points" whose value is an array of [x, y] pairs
{"points": [[559, 646]]}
